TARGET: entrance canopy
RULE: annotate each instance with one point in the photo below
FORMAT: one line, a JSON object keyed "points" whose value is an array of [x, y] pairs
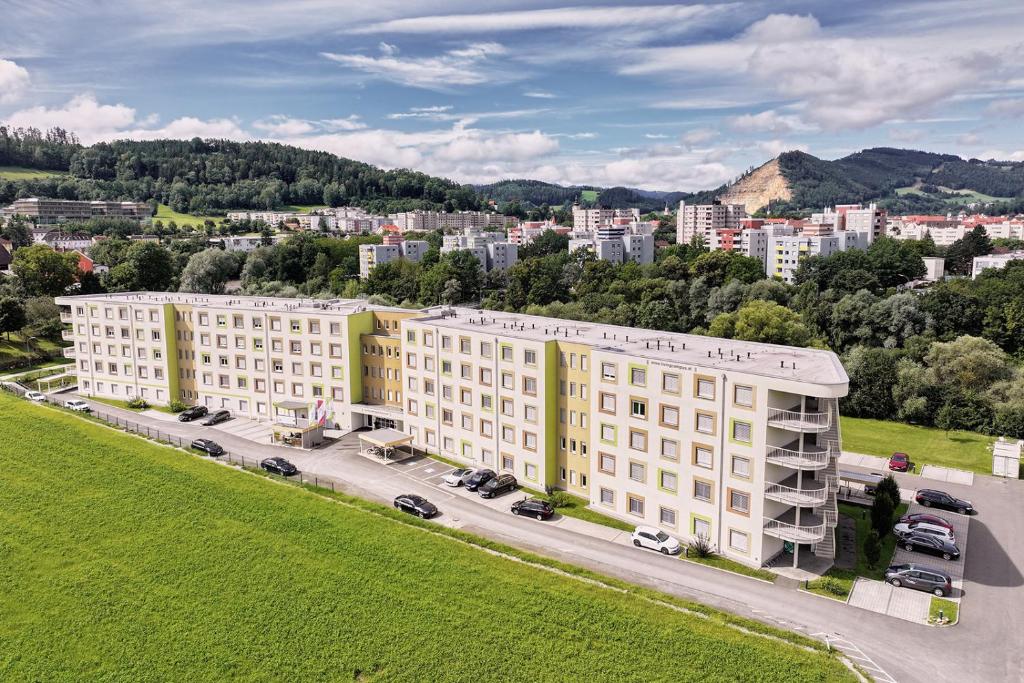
{"points": [[386, 438]]}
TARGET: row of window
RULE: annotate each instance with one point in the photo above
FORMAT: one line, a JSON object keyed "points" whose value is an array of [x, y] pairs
{"points": [[741, 432], [152, 314], [702, 456]]}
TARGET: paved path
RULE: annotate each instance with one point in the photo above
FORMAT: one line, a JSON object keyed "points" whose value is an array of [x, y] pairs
{"points": [[890, 649]]}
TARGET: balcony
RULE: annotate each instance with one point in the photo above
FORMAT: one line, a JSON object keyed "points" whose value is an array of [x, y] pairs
{"points": [[811, 493], [69, 352], [65, 316], [811, 457], [811, 529], [796, 421], [67, 335]]}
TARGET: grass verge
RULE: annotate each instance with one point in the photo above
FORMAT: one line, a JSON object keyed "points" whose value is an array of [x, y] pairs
{"points": [[862, 519], [924, 445], [835, 584], [733, 566], [124, 405], [950, 612], [112, 544]]}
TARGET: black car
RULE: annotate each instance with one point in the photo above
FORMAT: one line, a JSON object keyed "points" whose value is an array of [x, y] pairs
{"points": [[217, 417], [479, 478], [501, 484], [207, 446], [535, 507], [934, 545], [416, 505], [193, 413], [278, 465], [920, 578], [940, 499]]}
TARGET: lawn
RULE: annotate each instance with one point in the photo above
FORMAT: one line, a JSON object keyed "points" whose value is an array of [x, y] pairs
{"points": [[964, 196], [924, 445], [731, 566], [50, 367], [127, 560], [19, 173], [124, 405], [12, 350], [165, 214], [950, 610], [574, 506], [588, 195], [303, 208]]}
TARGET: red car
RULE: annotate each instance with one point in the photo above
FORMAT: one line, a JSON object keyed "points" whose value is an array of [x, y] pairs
{"points": [[927, 519], [899, 462]]}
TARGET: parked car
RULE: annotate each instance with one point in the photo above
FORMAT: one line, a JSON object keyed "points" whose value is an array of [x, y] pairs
{"points": [[533, 507], [458, 476], [920, 577], [655, 539], [503, 483], [934, 520], [933, 545], [278, 465], [77, 404], [216, 417], [941, 499], [416, 505], [899, 462], [193, 413], [479, 478], [208, 446], [36, 396], [902, 530]]}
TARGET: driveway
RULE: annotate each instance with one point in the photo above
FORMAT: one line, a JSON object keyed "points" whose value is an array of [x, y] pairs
{"points": [[969, 651]]}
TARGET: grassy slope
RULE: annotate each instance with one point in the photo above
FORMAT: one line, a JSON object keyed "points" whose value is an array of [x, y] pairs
{"points": [[924, 445], [966, 196], [126, 560], [15, 347], [588, 195], [19, 173], [165, 214]]}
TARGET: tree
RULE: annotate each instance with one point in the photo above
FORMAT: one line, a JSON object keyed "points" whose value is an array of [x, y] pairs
{"points": [[872, 548], [17, 231], [42, 317], [146, 266], [871, 373], [762, 321], [208, 272], [881, 514], [12, 315], [960, 255], [547, 243], [889, 487], [44, 272], [967, 364]]}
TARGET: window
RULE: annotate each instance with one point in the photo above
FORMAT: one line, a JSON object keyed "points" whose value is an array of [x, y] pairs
{"points": [[466, 397], [667, 516], [530, 413], [530, 471], [506, 352], [507, 381], [702, 490], [529, 441], [607, 403], [743, 396], [739, 502], [701, 527], [608, 371], [486, 428], [467, 422], [507, 462], [741, 467], [703, 456], [607, 497], [741, 431], [739, 541], [606, 463], [669, 416], [637, 471], [530, 386], [608, 433], [485, 376], [670, 382], [507, 407], [705, 388], [638, 408], [638, 377], [487, 402], [637, 440], [485, 349], [636, 505], [530, 357], [446, 343], [466, 371], [705, 423], [668, 480], [465, 346], [508, 434], [670, 449]]}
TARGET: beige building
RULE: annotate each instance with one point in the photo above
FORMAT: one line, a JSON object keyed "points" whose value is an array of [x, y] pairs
{"points": [[704, 220]]}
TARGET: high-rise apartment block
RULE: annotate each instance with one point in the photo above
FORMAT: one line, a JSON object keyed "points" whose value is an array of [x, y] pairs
{"points": [[56, 211], [428, 221], [489, 248], [393, 248], [734, 441], [620, 241], [592, 219], [703, 220]]}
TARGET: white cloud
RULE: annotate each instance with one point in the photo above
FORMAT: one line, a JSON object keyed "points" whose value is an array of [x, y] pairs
{"points": [[782, 27], [1009, 109], [556, 18], [969, 139], [462, 66], [14, 81], [698, 136], [351, 122], [387, 49], [769, 121], [906, 134], [655, 136], [774, 148], [1001, 155], [283, 125], [540, 94]]}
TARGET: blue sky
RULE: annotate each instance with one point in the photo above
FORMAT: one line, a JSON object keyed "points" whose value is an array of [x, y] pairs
{"points": [[662, 96]]}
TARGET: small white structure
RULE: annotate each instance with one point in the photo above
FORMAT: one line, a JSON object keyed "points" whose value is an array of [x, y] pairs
{"points": [[1006, 456], [935, 267]]}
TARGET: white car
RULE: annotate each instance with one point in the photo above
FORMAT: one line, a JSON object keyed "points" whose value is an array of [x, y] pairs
{"points": [[77, 404], [458, 476], [655, 539], [35, 396], [942, 532]]}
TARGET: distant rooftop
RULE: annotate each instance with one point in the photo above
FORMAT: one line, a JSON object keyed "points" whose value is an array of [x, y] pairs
{"points": [[262, 303]]}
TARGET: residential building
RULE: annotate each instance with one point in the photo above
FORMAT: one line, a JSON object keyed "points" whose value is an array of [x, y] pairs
{"points": [[935, 268], [703, 220], [44, 211], [592, 219], [244, 243], [997, 261], [731, 440], [527, 231], [490, 248], [394, 247], [786, 252], [620, 241], [292, 220], [428, 221]]}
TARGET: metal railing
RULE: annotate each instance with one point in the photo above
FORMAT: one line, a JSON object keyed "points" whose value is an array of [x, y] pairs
{"points": [[65, 316], [797, 459], [793, 532], [831, 518], [792, 496], [67, 335], [795, 420], [69, 352]]}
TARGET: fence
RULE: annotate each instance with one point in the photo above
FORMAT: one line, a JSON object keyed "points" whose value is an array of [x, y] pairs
{"points": [[166, 437]]}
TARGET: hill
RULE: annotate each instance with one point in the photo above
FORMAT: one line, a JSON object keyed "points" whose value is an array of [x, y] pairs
{"points": [[126, 560], [537, 192]]}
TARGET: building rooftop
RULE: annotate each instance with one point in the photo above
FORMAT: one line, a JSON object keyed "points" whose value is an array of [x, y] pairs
{"points": [[813, 366], [261, 303]]}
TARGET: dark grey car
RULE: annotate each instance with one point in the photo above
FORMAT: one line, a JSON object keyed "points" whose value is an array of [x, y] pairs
{"points": [[920, 577]]}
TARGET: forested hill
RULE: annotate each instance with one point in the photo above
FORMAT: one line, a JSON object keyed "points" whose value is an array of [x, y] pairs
{"points": [[211, 176], [537, 193]]}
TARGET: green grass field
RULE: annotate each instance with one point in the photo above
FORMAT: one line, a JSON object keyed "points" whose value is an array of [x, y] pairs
{"points": [[19, 173], [303, 208], [950, 610], [924, 445], [126, 560], [13, 349], [165, 214], [965, 196], [589, 195]]}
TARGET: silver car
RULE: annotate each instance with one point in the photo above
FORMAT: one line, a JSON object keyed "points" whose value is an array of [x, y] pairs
{"points": [[902, 530], [458, 476]]}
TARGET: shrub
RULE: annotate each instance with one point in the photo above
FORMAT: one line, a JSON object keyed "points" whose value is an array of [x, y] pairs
{"points": [[872, 549], [831, 584], [138, 404], [177, 406], [701, 547], [560, 499]]}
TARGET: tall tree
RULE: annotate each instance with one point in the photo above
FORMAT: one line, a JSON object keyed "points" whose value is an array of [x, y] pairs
{"points": [[146, 266], [43, 271]]}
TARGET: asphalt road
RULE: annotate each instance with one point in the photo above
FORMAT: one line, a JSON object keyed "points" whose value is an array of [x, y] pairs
{"points": [[983, 647]]}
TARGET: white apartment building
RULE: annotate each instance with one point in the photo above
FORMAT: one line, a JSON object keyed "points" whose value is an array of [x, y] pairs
{"points": [[592, 219], [394, 247], [870, 221], [734, 441], [302, 221], [428, 221], [785, 252], [489, 248], [244, 243], [618, 242], [997, 261], [45, 211], [702, 220]]}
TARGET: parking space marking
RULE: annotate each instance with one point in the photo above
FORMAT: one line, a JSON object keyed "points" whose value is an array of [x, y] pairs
{"points": [[849, 649]]}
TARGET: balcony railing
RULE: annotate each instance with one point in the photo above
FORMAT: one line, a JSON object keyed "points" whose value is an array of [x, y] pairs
{"points": [[69, 352], [796, 533], [811, 494], [796, 421], [65, 316], [295, 422], [67, 335], [810, 458]]}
